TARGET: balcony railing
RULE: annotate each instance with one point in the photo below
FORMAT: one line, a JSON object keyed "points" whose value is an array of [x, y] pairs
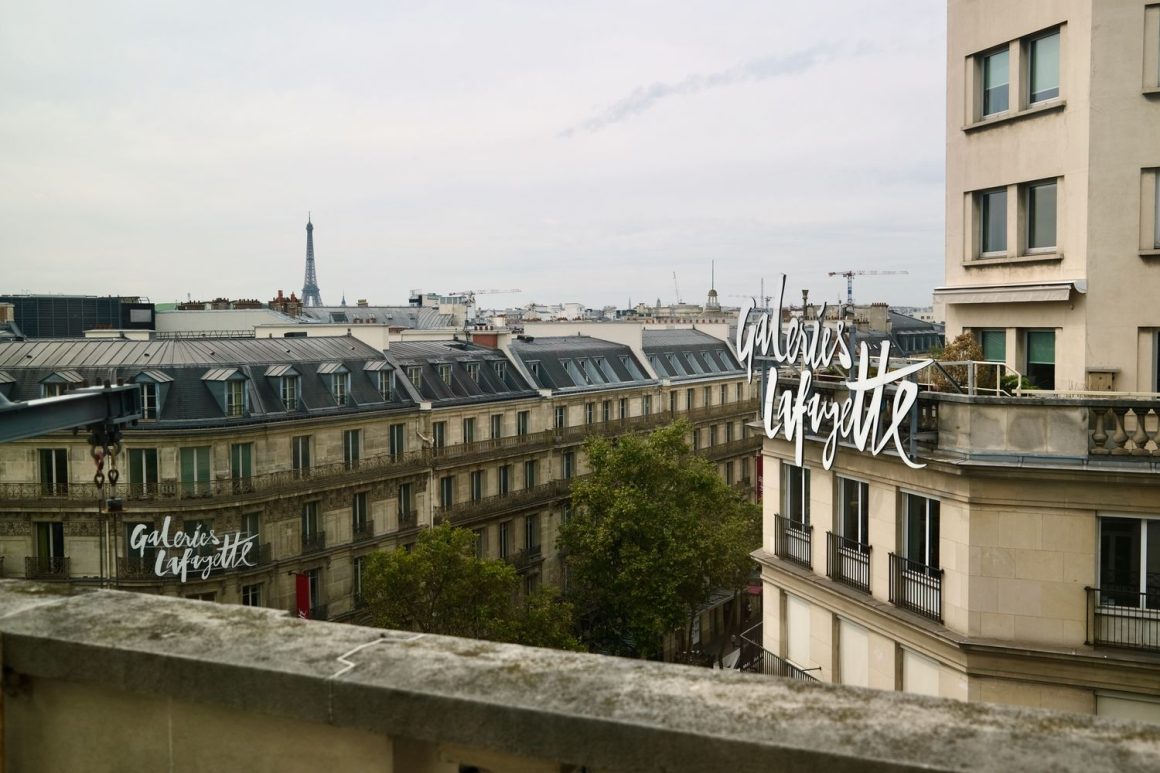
{"points": [[513, 500], [848, 562], [313, 541], [179, 493], [916, 587], [1124, 428], [581, 432], [793, 541], [755, 658], [46, 568], [717, 411], [523, 559], [363, 530], [731, 448], [493, 447], [408, 519], [1123, 618]]}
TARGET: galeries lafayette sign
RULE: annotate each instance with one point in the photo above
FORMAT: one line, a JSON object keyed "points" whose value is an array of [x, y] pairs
{"points": [[812, 346], [179, 553]]}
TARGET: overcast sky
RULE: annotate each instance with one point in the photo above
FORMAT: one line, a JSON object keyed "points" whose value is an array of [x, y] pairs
{"points": [[578, 151]]}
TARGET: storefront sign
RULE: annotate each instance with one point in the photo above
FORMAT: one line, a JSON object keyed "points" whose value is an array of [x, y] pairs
{"points": [[812, 346], [202, 552]]}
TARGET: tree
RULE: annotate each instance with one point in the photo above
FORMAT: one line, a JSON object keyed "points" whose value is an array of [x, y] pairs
{"points": [[655, 532], [441, 586]]}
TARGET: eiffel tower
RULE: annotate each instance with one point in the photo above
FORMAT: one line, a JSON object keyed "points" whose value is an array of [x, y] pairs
{"points": [[310, 295]]}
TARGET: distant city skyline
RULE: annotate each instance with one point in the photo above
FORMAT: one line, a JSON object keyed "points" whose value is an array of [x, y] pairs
{"points": [[580, 153]]}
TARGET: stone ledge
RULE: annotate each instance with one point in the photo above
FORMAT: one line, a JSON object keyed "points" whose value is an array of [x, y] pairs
{"points": [[609, 713]]}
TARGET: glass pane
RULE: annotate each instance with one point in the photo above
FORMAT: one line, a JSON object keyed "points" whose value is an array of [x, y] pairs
{"points": [[1119, 561], [995, 83], [1041, 347], [1045, 68], [994, 345], [932, 558], [1152, 565], [994, 221], [1041, 213], [915, 529]]}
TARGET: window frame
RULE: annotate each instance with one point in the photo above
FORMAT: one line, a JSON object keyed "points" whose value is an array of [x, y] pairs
{"points": [[1030, 48], [931, 530], [862, 516], [290, 390], [984, 208], [984, 59], [1144, 595], [799, 516], [1029, 202]]}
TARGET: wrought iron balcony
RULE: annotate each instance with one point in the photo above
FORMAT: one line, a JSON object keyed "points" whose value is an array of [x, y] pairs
{"points": [[848, 562], [1123, 617], [313, 541], [793, 541], [408, 519], [916, 587], [744, 446], [463, 512], [46, 567], [364, 530]]}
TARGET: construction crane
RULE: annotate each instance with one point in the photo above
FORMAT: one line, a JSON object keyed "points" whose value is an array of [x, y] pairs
{"points": [[677, 288], [470, 294], [850, 279]]}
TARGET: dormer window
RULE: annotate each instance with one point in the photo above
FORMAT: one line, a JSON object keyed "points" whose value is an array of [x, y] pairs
{"points": [[290, 391], [228, 386], [60, 382], [337, 378], [386, 383], [339, 387], [501, 370], [472, 371], [415, 376], [153, 384], [445, 374]]}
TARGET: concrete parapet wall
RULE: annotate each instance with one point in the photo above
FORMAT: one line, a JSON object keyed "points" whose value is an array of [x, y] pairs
{"points": [[106, 680]]}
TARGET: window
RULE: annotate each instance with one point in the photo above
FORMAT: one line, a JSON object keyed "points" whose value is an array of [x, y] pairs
{"points": [[358, 513], [496, 426], [252, 527], [445, 374], [472, 370], [54, 471], [522, 423], [740, 391], [624, 407], [994, 343], [469, 430], [290, 392], [729, 473], [193, 529], [252, 595], [143, 560], [532, 534], [405, 508], [589, 413], [996, 81], [561, 417], [646, 405], [480, 542], [50, 547], [920, 530], [505, 478], [143, 470], [1044, 69], [708, 396], [505, 539], [534, 369], [446, 491], [415, 376], [439, 434], [712, 435], [476, 485], [569, 464], [241, 464], [672, 402], [993, 222], [501, 372], [148, 400], [795, 493], [386, 384], [300, 455], [312, 537], [1130, 562], [339, 387], [854, 511], [1041, 358], [690, 398], [396, 440], [314, 589], [53, 390], [724, 395], [1041, 216], [696, 439], [530, 473], [195, 470], [606, 410], [235, 397]]}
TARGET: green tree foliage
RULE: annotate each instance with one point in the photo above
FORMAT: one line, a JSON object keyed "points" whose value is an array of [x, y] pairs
{"points": [[440, 586], [963, 349], [656, 531]]}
